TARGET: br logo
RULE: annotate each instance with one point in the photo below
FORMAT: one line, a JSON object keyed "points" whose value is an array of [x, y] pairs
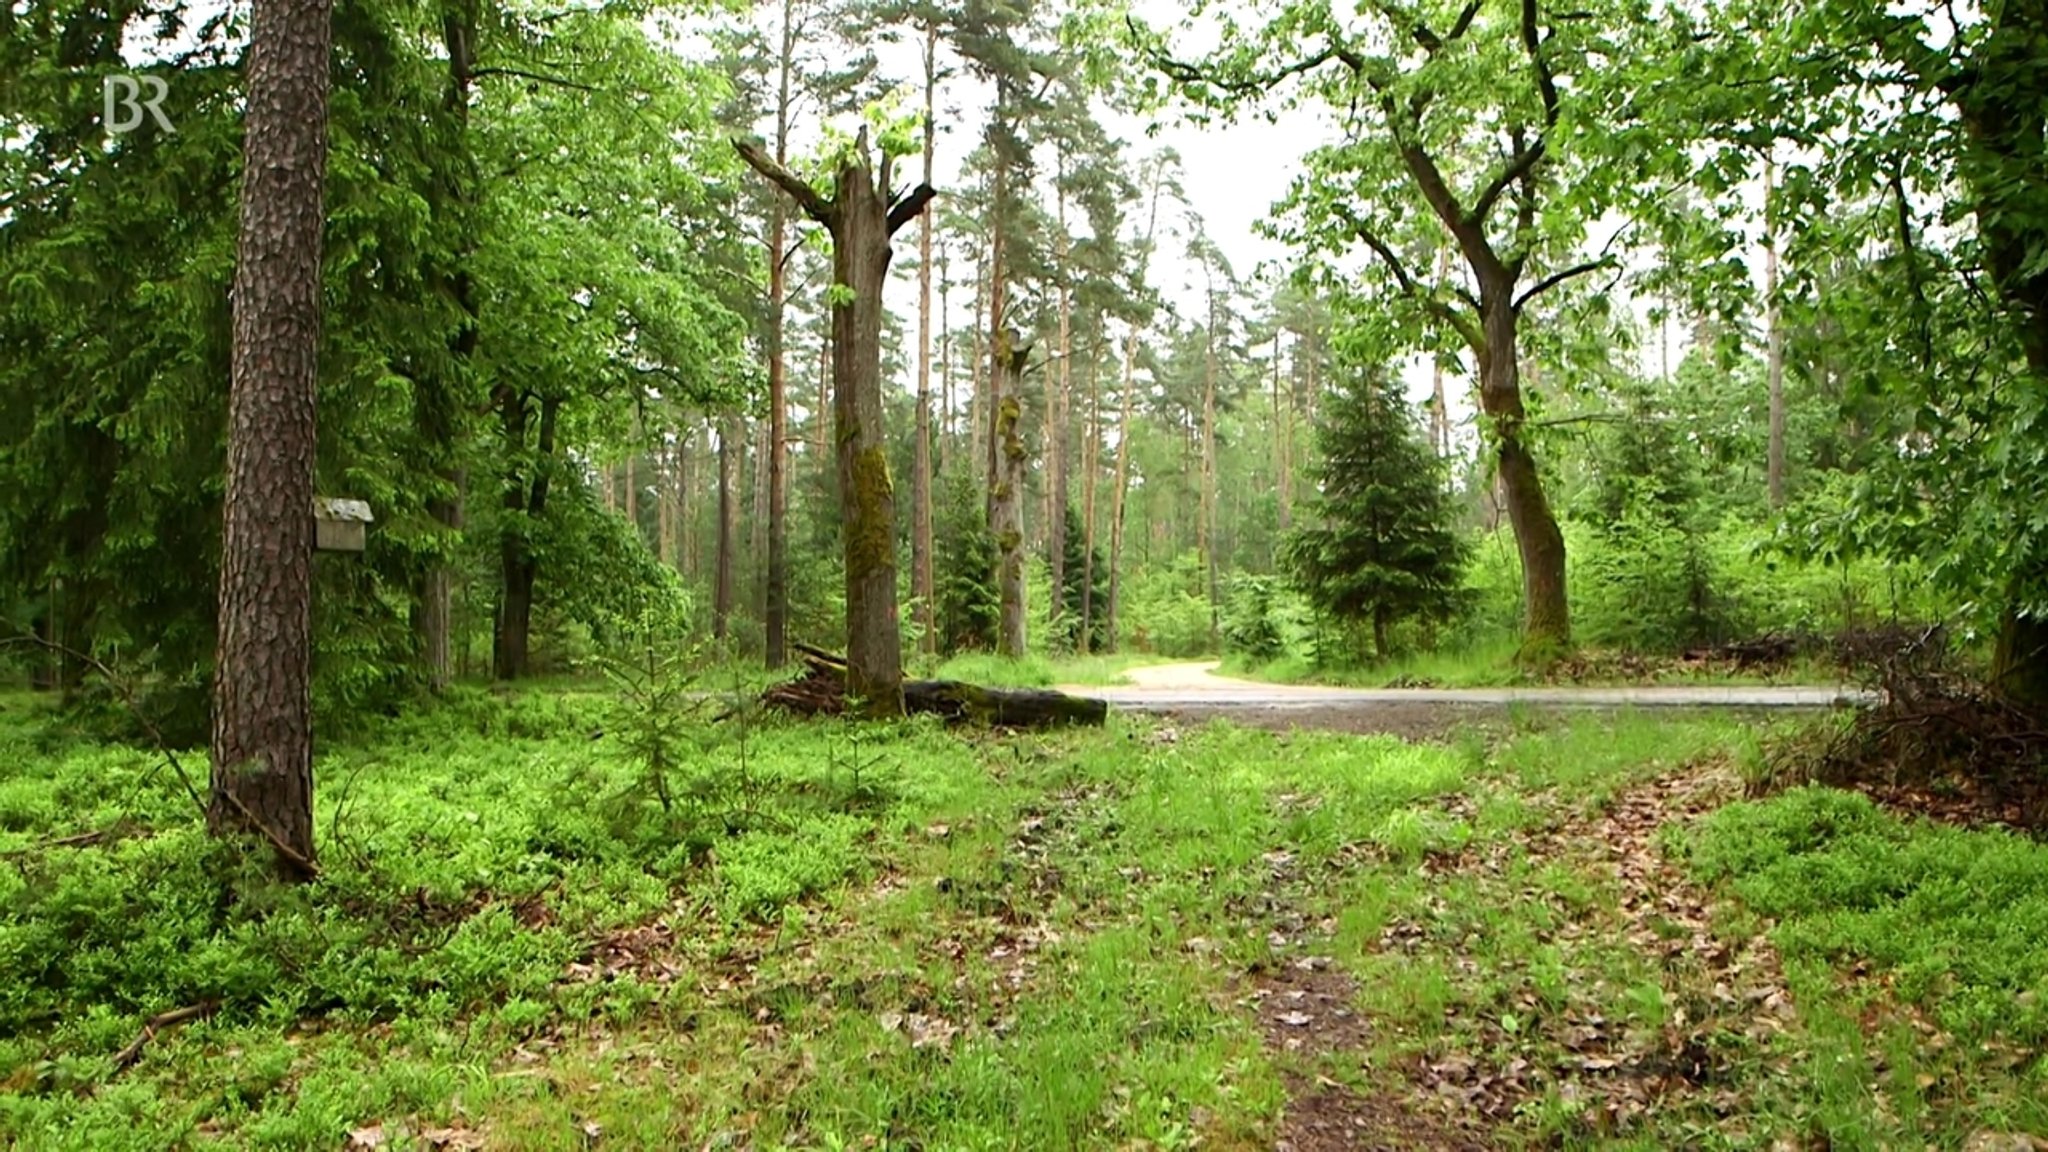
{"points": [[125, 103]]}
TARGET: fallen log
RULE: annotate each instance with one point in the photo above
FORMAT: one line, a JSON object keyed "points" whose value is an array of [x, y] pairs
{"points": [[821, 691]]}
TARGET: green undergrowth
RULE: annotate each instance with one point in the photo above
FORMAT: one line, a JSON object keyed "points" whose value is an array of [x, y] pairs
{"points": [[1955, 919], [1035, 671], [843, 936]]}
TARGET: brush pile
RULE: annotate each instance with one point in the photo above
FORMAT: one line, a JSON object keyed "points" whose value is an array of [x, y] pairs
{"points": [[1941, 741], [821, 691]]}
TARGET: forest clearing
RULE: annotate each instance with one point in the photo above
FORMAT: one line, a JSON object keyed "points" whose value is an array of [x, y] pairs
{"points": [[1023, 574]]}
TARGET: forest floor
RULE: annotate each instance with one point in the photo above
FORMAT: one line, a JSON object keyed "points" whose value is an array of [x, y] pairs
{"points": [[1546, 930]]}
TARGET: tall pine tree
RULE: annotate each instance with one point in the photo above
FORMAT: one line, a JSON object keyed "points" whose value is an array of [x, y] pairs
{"points": [[1378, 544]]}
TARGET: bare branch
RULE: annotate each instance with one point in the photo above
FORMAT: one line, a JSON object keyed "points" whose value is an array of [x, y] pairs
{"points": [[1519, 165], [1423, 35], [1409, 287], [799, 189], [1556, 278], [1185, 73], [1545, 83], [910, 206], [535, 77], [157, 1023]]}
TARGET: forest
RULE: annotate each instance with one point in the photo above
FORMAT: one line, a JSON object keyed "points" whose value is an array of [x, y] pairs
{"points": [[956, 574]]}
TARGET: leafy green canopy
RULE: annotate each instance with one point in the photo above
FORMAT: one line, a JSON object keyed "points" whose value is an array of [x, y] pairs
{"points": [[569, 191]]}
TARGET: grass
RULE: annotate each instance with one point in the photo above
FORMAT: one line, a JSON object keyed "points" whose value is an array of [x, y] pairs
{"points": [[1036, 671], [894, 936]]}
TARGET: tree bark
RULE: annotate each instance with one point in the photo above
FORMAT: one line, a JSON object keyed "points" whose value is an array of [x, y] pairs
{"points": [[526, 501], [1055, 417], [1206, 525], [686, 537], [1091, 451], [262, 753], [721, 584], [1120, 492], [946, 409], [2004, 120], [440, 404], [1774, 462], [977, 399], [632, 478], [665, 501], [861, 217], [775, 617], [921, 575], [1547, 617], [1007, 492]]}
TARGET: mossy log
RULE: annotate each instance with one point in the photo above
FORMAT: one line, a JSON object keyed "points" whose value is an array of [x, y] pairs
{"points": [[821, 691]]}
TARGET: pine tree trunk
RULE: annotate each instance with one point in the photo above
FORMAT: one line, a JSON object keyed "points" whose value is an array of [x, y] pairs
{"points": [[946, 409], [977, 401], [1206, 528], [633, 490], [686, 536], [1001, 384], [1091, 452], [721, 581], [440, 408], [1774, 465], [1281, 465], [1547, 619], [921, 575], [665, 500], [1055, 425], [775, 617], [1120, 493], [827, 468], [262, 749], [1007, 493], [756, 518]]}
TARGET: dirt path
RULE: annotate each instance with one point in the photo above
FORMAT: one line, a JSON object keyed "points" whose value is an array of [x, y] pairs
{"points": [[1176, 687]]}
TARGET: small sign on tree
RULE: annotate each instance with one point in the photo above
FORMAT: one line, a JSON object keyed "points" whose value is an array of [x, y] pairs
{"points": [[340, 525]]}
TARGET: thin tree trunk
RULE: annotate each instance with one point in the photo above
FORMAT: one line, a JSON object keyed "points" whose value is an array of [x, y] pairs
{"points": [[1205, 530], [721, 584], [827, 469], [262, 740], [1091, 451], [633, 491], [921, 576], [1774, 464], [946, 410], [665, 500], [1007, 493], [1120, 492], [1055, 417], [1280, 462], [1000, 383], [775, 616], [686, 536], [756, 517], [440, 410], [977, 402]]}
